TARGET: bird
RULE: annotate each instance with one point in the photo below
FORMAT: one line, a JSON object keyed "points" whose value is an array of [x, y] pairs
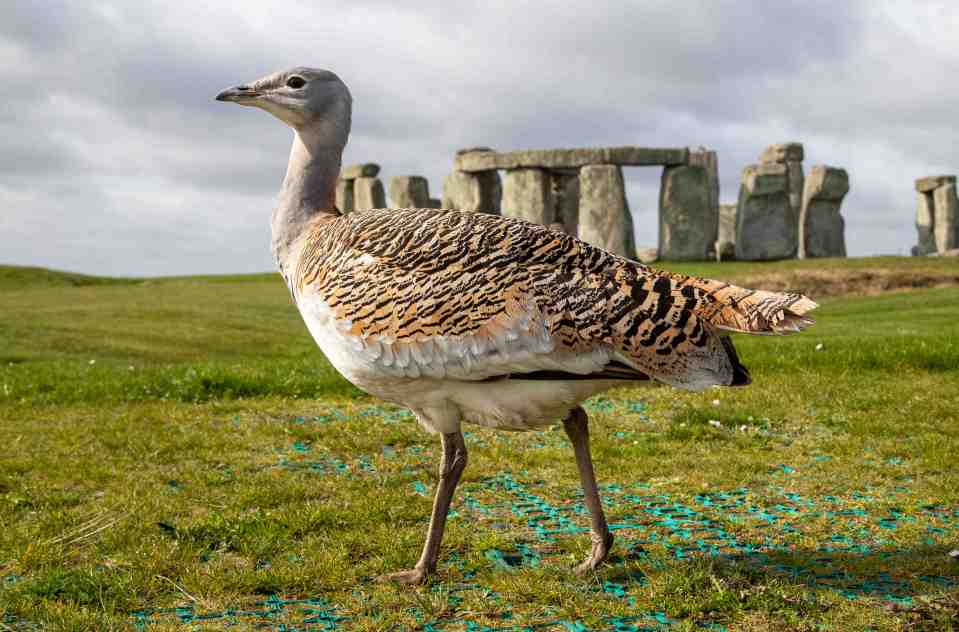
{"points": [[466, 317]]}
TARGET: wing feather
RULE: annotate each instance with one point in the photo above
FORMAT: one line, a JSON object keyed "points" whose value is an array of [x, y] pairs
{"points": [[473, 296]]}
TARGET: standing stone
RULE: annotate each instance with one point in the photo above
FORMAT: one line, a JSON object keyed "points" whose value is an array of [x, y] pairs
{"points": [[409, 192], [791, 155], [368, 194], [526, 195], [478, 192], [434, 203], [344, 195], [763, 229], [708, 160], [821, 226], [925, 216], [726, 240], [686, 223], [604, 219], [946, 220]]}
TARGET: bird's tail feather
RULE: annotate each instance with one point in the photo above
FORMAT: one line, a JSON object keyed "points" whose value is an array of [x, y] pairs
{"points": [[733, 308]]}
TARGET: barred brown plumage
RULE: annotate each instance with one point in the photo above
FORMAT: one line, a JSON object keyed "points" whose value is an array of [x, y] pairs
{"points": [[461, 275], [473, 317]]}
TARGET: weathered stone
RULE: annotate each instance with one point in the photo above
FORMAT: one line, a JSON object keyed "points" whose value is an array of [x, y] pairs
{"points": [[344, 196], [783, 152], [726, 239], [791, 155], [570, 158], [765, 179], [604, 219], [763, 231], [925, 227], [821, 226], [931, 183], [947, 253], [564, 197], [478, 192], [409, 192], [526, 195], [368, 194], [364, 170], [708, 160], [946, 221], [687, 228]]}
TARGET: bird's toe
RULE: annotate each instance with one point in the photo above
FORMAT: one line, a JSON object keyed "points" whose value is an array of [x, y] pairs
{"points": [[599, 552], [411, 577]]}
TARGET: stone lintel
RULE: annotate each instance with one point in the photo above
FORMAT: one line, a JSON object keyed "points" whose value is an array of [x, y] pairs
{"points": [[473, 150], [931, 183], [630, 155], [364, 170]]}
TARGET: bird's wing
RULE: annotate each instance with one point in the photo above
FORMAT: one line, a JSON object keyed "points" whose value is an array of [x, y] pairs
{"points": [[473, 296]]}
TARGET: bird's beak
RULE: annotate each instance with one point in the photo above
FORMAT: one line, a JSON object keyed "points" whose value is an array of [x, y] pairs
{"points": [[238, 94]]}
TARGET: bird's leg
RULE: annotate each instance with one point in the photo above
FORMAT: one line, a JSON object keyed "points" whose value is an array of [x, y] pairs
{"points": [[451, 468], [576, 426]]}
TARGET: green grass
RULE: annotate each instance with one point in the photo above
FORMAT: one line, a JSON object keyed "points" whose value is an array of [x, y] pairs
{"points": [[180, 443]]}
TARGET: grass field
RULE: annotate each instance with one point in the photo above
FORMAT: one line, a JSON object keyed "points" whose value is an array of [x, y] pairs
{"points": [[176, 454]]}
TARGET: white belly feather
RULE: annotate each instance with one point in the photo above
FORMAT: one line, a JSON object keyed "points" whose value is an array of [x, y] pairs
{"points": [[443, 380]]}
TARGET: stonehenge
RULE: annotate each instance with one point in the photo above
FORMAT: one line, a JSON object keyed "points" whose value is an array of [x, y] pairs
{"points": [[582, 192], [937, 215], [821, 227], [779, 214]]}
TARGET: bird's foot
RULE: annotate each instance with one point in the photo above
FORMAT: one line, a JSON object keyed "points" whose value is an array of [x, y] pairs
{"points": [[601, 548], [414, 577]]}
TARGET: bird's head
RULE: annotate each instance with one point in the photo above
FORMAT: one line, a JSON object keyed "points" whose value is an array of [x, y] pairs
{"points": [[303, 98]]}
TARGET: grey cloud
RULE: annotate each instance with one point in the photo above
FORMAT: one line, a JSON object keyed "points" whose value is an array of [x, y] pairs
{"points": [[116, 100]]}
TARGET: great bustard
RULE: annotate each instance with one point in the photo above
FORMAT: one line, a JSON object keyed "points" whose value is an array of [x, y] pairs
{"points": [[471, 317]]}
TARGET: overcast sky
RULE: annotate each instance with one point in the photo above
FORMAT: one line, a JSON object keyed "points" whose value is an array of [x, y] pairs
{"points": [[115, 159]]}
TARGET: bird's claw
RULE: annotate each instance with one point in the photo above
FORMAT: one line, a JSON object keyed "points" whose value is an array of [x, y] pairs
{"points": [[413, 577], [600, 551]]}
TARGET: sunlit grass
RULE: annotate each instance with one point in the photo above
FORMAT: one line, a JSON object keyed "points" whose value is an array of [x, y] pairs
{"points": [[180, 442]]}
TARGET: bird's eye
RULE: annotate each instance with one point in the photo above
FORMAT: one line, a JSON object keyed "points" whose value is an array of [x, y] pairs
{"points": [[295, 82]]}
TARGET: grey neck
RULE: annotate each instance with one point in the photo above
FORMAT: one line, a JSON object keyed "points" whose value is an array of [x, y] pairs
{"points": [[308, 191]]}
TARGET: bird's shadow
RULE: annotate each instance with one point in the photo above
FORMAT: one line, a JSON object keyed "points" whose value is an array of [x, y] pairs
{"points": [[888, 574]]}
